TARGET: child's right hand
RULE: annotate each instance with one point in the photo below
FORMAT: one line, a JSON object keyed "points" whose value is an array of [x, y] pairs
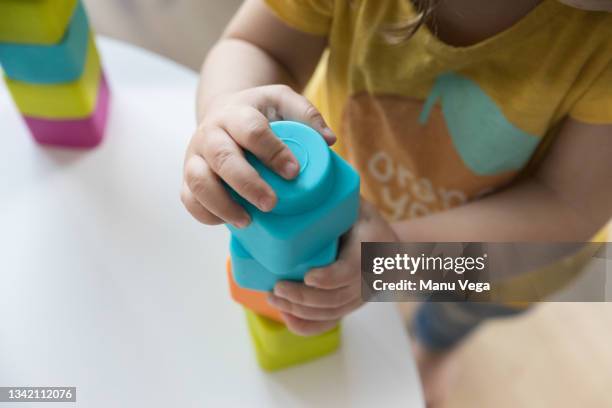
{"points": [[231, 123]]}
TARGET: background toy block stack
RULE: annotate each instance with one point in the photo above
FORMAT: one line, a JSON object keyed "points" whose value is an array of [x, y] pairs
{"points": [[53, 72], [302, 232]]}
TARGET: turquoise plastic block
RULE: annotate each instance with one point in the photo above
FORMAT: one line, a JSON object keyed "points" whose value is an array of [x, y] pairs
{"points": [[48, 64], [250, 274], [314, 209]]}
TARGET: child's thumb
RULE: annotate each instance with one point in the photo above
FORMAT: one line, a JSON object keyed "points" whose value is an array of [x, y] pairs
{"points": [[296, 107]]}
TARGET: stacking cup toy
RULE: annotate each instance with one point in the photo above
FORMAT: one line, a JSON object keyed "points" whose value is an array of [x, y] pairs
{"points": [[250, 274], [300, 233], [312, 211], [34, 21], [84, 132], [253, 300], [52, 70], [276, 347], [50, 63], [62, 100]]}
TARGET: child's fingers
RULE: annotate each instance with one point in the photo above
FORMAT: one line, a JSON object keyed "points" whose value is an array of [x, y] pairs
{"points": [[334, 276], [293, 106], [196, 209], [308, 296], [251, 130], [306, 327], [312, 313], [207, 189], [226, 159]]}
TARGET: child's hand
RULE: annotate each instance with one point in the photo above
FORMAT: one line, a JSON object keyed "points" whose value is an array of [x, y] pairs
{"points": [[331, 292], [240, 121]]}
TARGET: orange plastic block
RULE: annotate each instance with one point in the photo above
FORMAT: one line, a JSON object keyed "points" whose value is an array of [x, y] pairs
{"points": [[254, 300]]}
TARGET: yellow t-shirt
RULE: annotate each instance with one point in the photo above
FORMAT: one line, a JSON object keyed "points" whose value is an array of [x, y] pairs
{"points": [[430, 126]]}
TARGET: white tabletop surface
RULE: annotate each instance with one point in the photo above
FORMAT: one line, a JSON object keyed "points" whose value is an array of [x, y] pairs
{"points": [[107, 284]]}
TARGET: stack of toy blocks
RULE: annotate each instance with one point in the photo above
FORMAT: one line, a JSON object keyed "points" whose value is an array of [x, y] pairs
{"points": [[53, 72], [300, 233]]}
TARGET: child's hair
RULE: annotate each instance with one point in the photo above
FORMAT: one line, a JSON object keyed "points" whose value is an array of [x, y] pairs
{"points": [[397, 33]]}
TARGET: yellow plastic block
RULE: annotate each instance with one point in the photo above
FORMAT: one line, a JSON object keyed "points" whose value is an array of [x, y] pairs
{"points": [[34, 21], [276, 347], [69, 100]]}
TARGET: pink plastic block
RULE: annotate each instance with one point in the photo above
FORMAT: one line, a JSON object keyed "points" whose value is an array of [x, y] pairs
{"points": [[74, 133]]}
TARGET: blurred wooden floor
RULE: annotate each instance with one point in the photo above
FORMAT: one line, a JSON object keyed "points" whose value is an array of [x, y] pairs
{"points": [[559, 355]]}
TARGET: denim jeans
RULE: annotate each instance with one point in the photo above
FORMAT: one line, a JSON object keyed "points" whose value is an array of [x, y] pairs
{"points": [[442, 325]]}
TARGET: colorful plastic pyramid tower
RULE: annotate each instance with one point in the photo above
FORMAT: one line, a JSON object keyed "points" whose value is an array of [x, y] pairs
{"points": [[300, 233], [53, 72]]}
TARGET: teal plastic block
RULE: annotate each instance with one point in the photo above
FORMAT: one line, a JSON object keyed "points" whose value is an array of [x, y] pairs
{"points": [[250, 274], [314, 209], [48, 64]]}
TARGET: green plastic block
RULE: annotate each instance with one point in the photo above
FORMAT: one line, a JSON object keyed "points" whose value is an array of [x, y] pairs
{"points": [[276, 347], [34, 21]]}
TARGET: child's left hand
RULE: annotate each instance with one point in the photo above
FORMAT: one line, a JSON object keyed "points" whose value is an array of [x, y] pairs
{"points": [[331, 292]]}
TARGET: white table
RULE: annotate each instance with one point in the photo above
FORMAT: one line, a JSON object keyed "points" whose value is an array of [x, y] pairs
{"points": [[107, 284]]}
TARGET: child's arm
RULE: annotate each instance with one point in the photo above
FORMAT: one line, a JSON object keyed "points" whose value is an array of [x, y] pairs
{"points": [[568, 199], [249, 78], [257, 49]]}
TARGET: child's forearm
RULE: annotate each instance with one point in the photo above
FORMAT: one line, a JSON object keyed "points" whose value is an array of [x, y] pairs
{"points": [[529, 211], [233, 65], [567, 199], [257, 49]]}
